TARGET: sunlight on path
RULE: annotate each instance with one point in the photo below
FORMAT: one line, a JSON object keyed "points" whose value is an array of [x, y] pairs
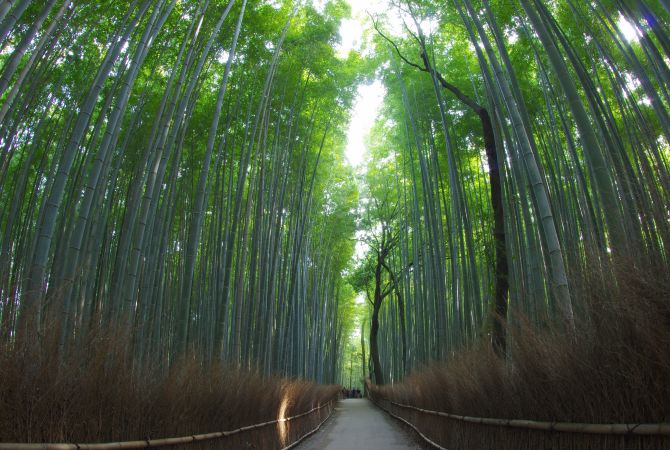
{"points": [[358, 424]]}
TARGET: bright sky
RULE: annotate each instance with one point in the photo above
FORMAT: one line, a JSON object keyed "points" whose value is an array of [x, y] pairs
{"points": [[369, 97], [363, 116], [628, 30]]}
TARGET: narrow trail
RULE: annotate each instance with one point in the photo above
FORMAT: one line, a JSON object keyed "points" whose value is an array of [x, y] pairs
{"points": [[358, 424]]}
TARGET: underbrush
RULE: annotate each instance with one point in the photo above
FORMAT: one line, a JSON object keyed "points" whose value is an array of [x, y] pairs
{"points": [[97, 393], [614, 368]]}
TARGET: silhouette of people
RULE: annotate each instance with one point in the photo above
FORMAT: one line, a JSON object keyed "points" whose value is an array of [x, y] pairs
{"points": [[351, 393]]}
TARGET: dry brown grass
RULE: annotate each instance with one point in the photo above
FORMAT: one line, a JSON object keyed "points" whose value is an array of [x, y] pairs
{"points": [[615, 370], [95, 394]]}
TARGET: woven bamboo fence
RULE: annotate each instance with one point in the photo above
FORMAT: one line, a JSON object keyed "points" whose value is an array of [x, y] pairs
{"points": [[452, 431], [287, 433]]}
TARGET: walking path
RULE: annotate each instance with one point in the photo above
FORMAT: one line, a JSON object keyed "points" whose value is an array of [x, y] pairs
{"points": [[358, 424]]}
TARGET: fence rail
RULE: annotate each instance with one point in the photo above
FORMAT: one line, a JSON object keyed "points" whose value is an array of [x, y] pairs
{"points": [[164, 442], [444, 430], [309, 433], [647, 429], [409, 424]]}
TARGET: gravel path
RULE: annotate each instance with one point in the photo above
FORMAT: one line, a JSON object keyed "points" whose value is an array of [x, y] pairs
{"points": [[358, 424]]}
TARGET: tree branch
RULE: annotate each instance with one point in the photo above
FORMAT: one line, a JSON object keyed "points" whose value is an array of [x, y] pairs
{"points": [[395, 46], [387, 290], [390, 272], [469, 102], [367, 295], [476, 107]]}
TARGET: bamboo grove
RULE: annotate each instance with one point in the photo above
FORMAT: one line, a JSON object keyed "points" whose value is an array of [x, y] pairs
{"points": [[522, 145], [174, 169]]}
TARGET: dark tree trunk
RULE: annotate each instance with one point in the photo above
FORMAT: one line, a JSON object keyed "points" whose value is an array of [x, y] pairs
{"points": [[374, 325], [501, 269], [365, 386], [403, 328], [501, 288]]}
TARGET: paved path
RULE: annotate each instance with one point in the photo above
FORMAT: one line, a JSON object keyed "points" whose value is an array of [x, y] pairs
{"points": [[360, 425]]}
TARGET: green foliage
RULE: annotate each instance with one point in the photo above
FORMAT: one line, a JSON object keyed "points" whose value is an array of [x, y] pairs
{"points": [[128, 197], [447, 221], [263, 237]]}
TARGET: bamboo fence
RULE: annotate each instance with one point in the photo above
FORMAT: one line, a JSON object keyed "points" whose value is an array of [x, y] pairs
{"points": [[649, 429], [551, 434], [167, 442]]}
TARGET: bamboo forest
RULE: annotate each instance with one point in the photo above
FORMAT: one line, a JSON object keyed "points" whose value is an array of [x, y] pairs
{"points": [[220, 220]]}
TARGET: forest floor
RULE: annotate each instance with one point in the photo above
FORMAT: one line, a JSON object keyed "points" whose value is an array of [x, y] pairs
{"points": [[358, 424]]}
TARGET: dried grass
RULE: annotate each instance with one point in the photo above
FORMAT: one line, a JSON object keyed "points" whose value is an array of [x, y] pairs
{"points": [[615, 370], [96, 394]]}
